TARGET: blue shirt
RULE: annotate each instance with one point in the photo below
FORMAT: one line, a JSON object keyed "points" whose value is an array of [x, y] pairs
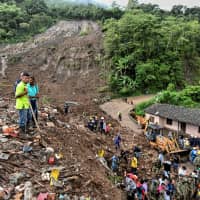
{"points": [[32, 90]]}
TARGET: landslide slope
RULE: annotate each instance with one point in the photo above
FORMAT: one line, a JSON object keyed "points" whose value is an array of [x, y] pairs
{"points": [[65, 60]]}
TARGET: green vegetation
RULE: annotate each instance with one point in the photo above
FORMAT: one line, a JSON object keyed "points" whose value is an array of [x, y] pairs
{"points": [[188, 97], [21, 19], [148, 52]]}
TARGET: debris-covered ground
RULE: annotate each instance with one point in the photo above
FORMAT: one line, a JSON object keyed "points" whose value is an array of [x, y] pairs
{"points": [[61, 159]]}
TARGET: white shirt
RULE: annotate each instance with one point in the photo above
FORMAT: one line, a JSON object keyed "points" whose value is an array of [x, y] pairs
{"points": [[181, 172]]}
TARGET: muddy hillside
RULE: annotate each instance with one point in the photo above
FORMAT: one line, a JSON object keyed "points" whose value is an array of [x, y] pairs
{"points": [[66, 56]]}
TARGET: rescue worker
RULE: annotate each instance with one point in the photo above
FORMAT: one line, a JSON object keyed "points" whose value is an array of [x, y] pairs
{"points": [[153, 189], [134, 164], [196, 161], [193, 154], [101, 123], [115, 163], [117, 141], [130, 187]]}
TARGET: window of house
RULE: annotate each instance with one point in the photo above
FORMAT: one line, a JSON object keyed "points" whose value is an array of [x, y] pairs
{"points": [[183, 127], [152, 119], [169, 121]]}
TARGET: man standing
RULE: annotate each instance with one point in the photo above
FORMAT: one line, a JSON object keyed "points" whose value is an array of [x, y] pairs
{"points": [[22, 101], [117, 141], [134, 163]]}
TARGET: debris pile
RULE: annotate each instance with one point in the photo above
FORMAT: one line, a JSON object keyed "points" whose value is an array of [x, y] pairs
{"points": [[57, 163]]}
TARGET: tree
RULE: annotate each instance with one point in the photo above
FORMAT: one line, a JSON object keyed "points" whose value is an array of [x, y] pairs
{"points": [[132, 4]]}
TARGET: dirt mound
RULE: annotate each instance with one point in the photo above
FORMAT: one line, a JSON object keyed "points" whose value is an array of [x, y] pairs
{"points": [[67, 57]]}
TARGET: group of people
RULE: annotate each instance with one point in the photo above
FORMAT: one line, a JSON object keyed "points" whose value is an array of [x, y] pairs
{"points": [[26, 94], [95, 124], [170, 179]]}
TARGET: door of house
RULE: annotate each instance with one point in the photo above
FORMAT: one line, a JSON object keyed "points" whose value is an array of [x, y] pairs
{"points": [[183, 126]]}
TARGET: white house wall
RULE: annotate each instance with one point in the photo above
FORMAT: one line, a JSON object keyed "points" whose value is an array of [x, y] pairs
{"points": [[190, 129]]}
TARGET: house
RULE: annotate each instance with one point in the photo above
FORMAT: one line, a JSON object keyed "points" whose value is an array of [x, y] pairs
{"points": [[175, 118]]}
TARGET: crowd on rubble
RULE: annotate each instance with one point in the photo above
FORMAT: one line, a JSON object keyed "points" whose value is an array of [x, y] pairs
{"points": [[170, 179]]}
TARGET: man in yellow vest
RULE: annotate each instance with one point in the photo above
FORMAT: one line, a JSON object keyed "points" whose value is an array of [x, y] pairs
{"points": [[134, 163], [22, 101]]}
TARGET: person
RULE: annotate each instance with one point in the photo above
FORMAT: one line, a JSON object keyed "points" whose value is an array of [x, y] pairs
{"points": [[182, 171], [134, 164], [167, 195], [137, 151], [170, 188], [108, 128], [145, 186], [119, 116], [91, 124], [96, 122], [175, 163], [153, 188], [130, 187], [161, 157], [22, 101], [170, 136], [101, 123], [115, 162], [193, 154], [167, 168], [17, 82], [140, 190], [117, 141], [124, 155], [33, 93], [181, 141], [161, 189], [66, 108]]}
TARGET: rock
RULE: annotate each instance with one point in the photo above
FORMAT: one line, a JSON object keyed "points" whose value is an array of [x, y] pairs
{"points": [[50, 124], [4, 156], [16, 177], [49, 150], [28, 191]]}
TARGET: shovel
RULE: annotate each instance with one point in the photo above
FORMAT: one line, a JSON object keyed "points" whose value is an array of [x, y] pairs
{"points": [[34, 118]]}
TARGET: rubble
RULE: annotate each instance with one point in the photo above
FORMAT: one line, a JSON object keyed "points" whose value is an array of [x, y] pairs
{"points": [[59, 162], [41, 164]]}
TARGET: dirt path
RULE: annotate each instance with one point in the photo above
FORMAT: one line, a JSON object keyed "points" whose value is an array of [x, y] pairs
{"points": [[118, 105]]}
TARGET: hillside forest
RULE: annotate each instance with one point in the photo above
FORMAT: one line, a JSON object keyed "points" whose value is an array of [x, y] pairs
{"points": [[149, 50]]}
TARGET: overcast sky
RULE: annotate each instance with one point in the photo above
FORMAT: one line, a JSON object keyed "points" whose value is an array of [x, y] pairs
{"points": [[164, 4]]}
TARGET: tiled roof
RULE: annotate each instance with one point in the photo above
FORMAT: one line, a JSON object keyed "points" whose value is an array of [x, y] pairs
{"points": [[177, 113]]}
